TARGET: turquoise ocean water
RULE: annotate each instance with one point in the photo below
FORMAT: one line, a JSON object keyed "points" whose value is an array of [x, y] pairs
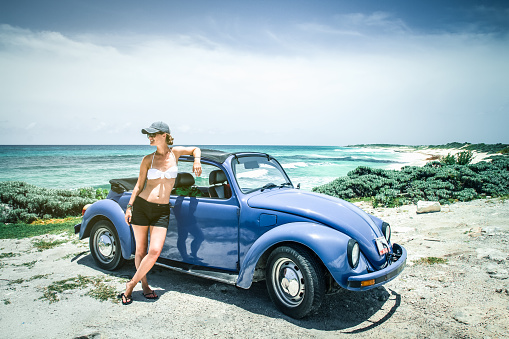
{"points": [[93, 166]]}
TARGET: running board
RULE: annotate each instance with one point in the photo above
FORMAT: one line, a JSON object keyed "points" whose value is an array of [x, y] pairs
{"points": [[229, 278]]}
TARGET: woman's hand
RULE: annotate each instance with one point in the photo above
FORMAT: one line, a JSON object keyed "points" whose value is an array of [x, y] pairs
{"points": [[197, 167], [128, 214]]}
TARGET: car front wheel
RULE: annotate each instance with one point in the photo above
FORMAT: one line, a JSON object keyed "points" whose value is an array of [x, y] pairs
{"points": [[295, 281], [105, 246]]}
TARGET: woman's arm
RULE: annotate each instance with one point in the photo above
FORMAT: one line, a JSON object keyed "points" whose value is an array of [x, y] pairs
{"points": [[142, 177], [195, 152]]}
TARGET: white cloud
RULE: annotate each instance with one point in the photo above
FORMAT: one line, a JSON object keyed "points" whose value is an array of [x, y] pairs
{"points": [[101, 126], [30, 126], [320, 28], [183, 128], [378, 20], [402, 88]]}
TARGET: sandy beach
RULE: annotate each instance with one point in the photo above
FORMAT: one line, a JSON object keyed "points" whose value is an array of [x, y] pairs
{"points": [[419, 157], [465, 296]]}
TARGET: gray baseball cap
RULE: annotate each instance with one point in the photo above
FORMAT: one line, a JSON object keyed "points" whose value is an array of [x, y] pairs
{"points": [[157, 126]]}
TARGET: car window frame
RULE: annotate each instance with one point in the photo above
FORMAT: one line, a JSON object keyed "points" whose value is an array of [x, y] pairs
{"points": [[233, 167], [190, 160]]}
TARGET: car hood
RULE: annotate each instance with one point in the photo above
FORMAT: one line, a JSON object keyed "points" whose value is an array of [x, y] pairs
{"points": [[334, 212]]}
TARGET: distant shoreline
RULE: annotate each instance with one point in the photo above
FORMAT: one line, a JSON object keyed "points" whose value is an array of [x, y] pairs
{"points": [[465, 146], [419, 155]]}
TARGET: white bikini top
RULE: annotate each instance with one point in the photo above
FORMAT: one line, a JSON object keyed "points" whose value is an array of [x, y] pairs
{"points": [[170, 173]]}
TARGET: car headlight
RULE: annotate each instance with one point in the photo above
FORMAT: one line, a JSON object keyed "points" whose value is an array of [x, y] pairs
{"points": [[353, 253], [386, 230]]}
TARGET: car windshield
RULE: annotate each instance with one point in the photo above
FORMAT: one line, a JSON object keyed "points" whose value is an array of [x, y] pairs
{"points": [[259, 172]]}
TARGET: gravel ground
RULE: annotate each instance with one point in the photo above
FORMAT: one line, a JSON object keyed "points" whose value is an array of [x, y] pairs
{"points": [[466, 296]]}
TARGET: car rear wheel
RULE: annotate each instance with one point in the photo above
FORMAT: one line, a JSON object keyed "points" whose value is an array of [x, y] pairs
{"points": [[295, 281], [105, 246]]}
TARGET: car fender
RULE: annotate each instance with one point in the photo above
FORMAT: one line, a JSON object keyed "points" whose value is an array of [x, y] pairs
{"points": [[112, 211], [327, 243]]}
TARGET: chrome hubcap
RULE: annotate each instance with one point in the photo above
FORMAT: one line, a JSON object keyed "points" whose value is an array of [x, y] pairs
{"points": [[288, 282], [105, 245]]}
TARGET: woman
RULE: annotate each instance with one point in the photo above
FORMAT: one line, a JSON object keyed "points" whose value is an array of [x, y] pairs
{"points": [[149, 207]]}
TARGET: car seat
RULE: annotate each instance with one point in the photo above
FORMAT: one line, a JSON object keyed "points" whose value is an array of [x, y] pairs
{"points": [[184, 179], [185, 186], [220, 187]]}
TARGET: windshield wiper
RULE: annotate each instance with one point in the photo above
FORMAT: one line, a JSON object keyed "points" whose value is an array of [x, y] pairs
{"points": [[267, 186], [285, 184], [271, 185]]}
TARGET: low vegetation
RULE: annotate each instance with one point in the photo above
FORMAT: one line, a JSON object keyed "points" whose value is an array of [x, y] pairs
{"points": [[51, 292], [436, 181], [29, 264], [23, 230], [35, 277], [23, 202], [98, 289], [41, 244], [430, 261], [462, 158], [8, 255]]}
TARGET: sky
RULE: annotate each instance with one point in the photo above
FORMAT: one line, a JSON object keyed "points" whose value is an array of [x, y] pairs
{"points": [[254, 72]]}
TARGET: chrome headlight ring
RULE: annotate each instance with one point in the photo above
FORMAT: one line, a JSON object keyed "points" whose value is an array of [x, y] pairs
{"points": [[386, 230], [353, 253]]}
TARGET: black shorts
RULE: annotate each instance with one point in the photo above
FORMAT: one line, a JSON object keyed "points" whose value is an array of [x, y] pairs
{"points": [[150, 214]]}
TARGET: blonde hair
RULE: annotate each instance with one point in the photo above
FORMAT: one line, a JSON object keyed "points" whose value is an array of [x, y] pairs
{"points": [[169, 139]]}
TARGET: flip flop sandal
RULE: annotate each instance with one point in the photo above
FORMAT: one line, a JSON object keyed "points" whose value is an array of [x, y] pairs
{"points": [[128, 299], [150, 295]]}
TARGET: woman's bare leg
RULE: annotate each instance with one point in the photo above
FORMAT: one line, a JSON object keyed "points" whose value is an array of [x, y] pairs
{"points": [[157, 237], [141, 236]]}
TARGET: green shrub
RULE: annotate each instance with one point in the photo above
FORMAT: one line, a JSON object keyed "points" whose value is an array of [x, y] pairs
{"points": [[92, 193], [448, 159], [436, 181], [464, 158], [22, 202]]}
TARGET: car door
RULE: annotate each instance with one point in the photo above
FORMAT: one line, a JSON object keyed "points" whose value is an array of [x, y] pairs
{"points": [[203, 231]]}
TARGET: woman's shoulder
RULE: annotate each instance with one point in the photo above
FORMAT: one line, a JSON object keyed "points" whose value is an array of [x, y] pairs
{"points": [[147, 158], [178, 149], [183, 150]]}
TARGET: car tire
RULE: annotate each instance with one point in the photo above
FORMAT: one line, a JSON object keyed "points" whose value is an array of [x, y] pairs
{"points": [[295, 281], [105, 246]]}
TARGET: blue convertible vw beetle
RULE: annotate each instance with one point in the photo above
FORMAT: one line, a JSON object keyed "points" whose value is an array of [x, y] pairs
{"points": [[244, 221]]}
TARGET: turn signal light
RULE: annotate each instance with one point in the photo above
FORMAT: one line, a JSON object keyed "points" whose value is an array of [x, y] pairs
{"points": [[84, 209], [367, 282]]}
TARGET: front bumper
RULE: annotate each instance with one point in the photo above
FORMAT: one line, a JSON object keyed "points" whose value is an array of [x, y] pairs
{"points": [[374, 279]]}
